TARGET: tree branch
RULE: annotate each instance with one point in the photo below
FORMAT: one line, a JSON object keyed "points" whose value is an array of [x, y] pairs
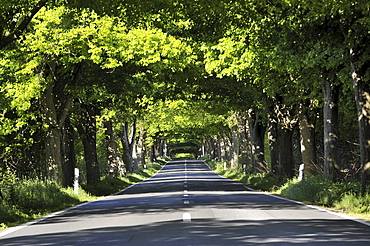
{"points": [[68, 102], [23, 25]]}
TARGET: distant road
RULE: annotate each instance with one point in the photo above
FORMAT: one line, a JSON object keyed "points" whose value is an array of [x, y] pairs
{"points": [[184, 204]]}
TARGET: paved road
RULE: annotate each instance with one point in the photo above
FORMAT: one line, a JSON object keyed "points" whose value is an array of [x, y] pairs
{"points": [[188, 204]]}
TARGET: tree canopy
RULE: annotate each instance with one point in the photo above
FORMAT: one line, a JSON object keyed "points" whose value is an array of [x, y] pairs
{"points": [[229, 76]]}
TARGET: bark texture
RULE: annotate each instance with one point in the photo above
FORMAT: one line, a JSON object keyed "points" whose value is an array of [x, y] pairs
{"points": [[52, 136], [285, 144], [273, 137], [362, 96], [69, 154], [331, 153], [257, 134], [129, 144], [307, 137], [87, 130], [115, 166]]}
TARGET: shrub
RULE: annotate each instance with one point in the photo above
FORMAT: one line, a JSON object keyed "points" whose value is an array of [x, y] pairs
{"points": [[109, 184], [7, 183], [30, 199], [264, 181], [9, 213], [317, 190], [106, 186], [354, 203]]}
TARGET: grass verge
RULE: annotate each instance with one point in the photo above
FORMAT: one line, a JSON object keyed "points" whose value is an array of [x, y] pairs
{"points": [[25, 200], [316, 190]]}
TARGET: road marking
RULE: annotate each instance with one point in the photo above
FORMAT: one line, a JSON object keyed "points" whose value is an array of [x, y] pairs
{"points": [[186, 217], [186, 195], [344, 216], [185, 191], [186, 202]]}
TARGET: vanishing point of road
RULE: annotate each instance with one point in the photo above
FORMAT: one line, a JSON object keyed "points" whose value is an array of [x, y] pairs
{"points": [[186, 203]]}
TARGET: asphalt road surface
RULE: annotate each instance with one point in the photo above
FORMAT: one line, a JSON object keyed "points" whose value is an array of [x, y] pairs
{"points": [[186, 203]]}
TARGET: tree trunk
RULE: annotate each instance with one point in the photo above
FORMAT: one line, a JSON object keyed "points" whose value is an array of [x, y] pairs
{"points": [[257, 135], [362, 96], [151, 153], [245, 151], [69, 154], [331, 153], [285, 145], [141, 148], [272, 134], [87, 132], [234, 147], [54, 120], [162, 147], [52, 136], [219, 149], [223, 148], [307, 138], [209, 147], [129, 143], [115, 163]]}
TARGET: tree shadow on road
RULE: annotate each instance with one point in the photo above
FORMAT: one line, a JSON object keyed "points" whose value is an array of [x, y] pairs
{"points": [[209, 232]]}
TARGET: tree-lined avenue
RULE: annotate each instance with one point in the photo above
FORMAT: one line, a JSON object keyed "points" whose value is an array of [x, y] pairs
{"points": [[186, 203]]}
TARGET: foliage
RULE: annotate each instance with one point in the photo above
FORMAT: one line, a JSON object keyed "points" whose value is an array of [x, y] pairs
{"points": [[30, 199], [317, 190], [182, 68], [354, 203], [184, 120], [7, 183], [184, 156], [264, 181], [40, 196], [109, 185], [223, 168]]}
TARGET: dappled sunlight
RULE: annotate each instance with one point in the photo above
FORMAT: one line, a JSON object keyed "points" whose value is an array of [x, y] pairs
{"points": [[209, 232], [192, 205]]}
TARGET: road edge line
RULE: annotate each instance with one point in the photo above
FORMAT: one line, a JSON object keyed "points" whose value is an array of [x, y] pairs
{"points": [[40, 219], [344, 216]]}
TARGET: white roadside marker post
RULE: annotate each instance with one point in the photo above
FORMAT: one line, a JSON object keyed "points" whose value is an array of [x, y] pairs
{"points": [[301, 172], [77, 173]]}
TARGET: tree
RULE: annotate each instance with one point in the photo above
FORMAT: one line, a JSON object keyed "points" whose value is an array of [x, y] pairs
{"points": [[357, 19], [184, 121]]}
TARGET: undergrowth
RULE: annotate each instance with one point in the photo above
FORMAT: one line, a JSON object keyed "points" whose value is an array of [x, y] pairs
{"points": [[24, 200], [109, 185], [343, 197]]}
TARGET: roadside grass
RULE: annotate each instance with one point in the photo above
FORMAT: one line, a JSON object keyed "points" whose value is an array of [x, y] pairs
{"points": [[109, 185], [25, 200], [30, 199], [315, 190]]}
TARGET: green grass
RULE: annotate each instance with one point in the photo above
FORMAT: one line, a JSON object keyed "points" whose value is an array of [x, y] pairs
{"points": [[25, 200], [316, 190], [30, 199], [109, 185]]}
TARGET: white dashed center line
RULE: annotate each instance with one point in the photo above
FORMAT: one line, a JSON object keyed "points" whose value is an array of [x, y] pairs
{"points": [[186, 217]]}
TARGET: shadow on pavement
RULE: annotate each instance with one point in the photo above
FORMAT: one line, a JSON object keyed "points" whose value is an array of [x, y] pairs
{"points": [[210, 232]]}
